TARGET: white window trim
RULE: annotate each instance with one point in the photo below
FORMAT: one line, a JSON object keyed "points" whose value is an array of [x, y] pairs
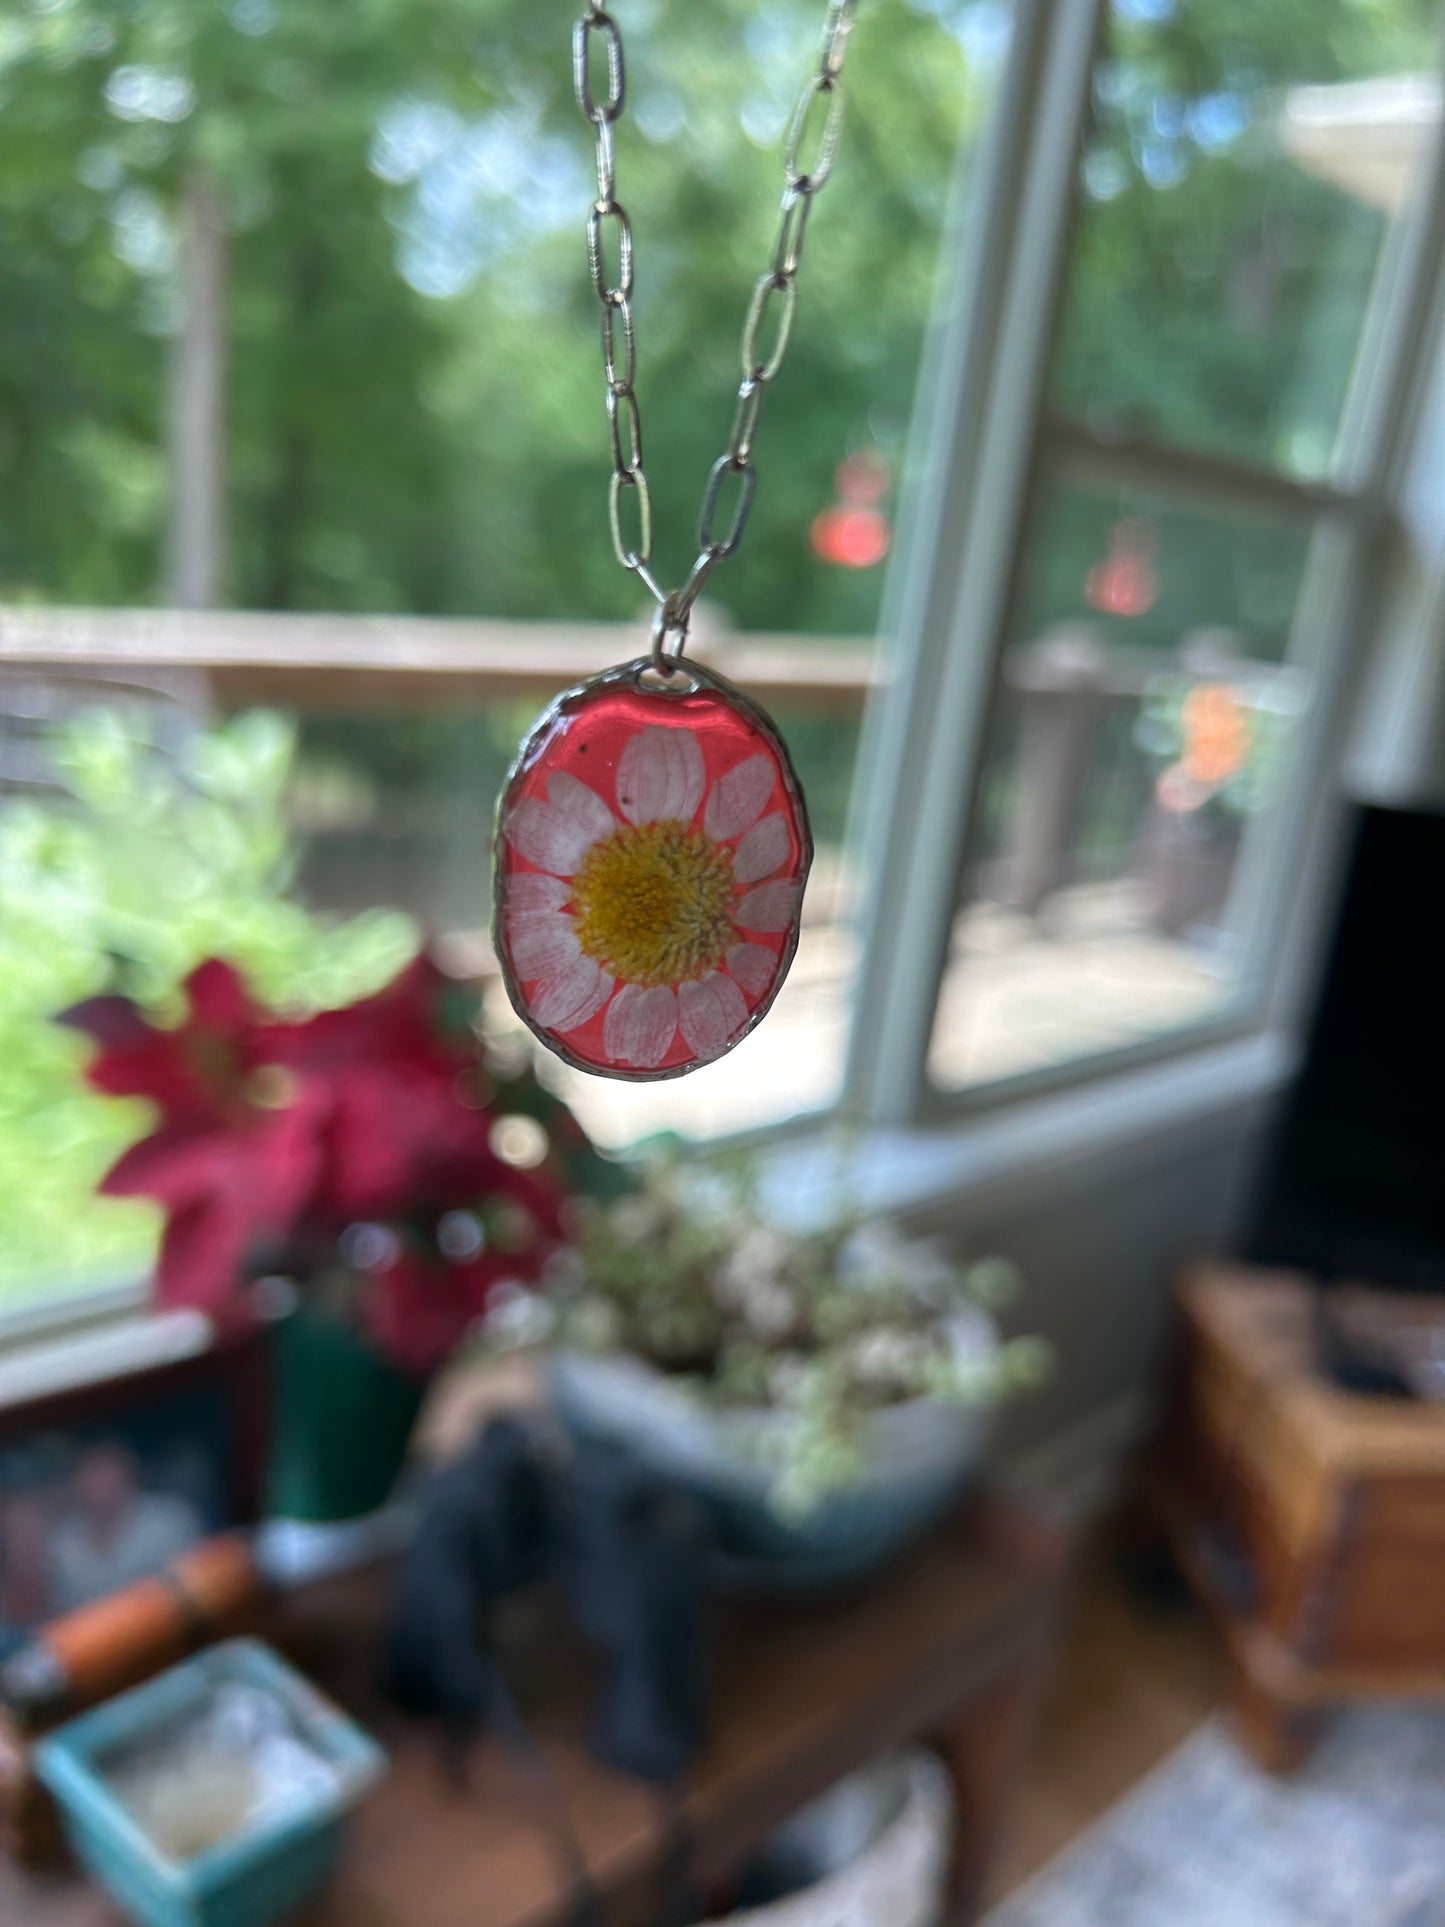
{"points": [[119, 1338], [1032, 1151], [963, 507]]}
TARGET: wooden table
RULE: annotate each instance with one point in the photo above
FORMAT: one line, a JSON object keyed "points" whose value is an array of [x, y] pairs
{"points": [[1311, 1520], [949, 1647]]}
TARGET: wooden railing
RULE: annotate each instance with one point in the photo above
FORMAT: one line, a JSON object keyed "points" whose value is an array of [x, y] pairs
{"points": [[340, 661], [1065, 687]]}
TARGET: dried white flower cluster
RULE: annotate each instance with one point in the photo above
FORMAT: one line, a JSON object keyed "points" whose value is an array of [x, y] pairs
{"points": [[827, 1326]]}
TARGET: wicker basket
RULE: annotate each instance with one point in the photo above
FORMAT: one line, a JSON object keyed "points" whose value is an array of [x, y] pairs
{"points": [[903, 1810]]}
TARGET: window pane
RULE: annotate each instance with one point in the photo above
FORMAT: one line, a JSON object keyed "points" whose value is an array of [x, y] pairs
{"points": [[414, 398], [1244, 168], [1144, 723]]}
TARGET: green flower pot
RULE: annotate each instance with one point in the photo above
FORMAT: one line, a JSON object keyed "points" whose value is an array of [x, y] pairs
{"points": [[341, 1420]]}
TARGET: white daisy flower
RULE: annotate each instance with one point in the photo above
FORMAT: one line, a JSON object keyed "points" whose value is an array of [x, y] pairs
{"points": [[645, 913]]}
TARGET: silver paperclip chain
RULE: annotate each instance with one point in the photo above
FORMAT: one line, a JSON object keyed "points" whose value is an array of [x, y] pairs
{"points": [[808, 156]]}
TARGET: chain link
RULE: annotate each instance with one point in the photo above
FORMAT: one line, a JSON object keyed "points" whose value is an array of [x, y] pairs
{"points": [[809, 151]]}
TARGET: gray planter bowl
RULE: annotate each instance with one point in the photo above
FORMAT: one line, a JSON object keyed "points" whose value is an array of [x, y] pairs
{"points": [[921, 1457]]}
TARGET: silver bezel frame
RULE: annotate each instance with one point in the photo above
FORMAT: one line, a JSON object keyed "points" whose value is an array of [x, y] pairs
{"points": [[686, 680]]}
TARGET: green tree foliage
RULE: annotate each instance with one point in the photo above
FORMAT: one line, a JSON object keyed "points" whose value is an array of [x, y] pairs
{"points": [[415, 415], [1218, 286], [416, 398]]}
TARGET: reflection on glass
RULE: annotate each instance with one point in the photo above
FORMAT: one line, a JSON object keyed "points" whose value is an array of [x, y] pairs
{"points": [[1145, 717], [1244, 168]]}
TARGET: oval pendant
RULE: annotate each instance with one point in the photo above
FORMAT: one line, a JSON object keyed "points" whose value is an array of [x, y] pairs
{"points": [[652, 847]]}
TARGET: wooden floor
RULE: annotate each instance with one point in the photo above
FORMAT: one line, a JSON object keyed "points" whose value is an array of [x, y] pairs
{"points": [[1137, 1672]]}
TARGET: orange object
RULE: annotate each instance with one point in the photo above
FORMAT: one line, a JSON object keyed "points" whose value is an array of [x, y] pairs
{"points": [[1216, 734]]}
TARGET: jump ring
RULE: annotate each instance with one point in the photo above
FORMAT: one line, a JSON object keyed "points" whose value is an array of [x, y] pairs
{"points": [[668, 620]]}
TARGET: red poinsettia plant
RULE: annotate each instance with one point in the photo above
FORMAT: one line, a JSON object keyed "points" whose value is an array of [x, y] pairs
{"points": [[355, 1151]]}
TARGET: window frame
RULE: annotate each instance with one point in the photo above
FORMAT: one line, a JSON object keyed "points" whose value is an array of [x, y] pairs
{"points": [[923, 756]]}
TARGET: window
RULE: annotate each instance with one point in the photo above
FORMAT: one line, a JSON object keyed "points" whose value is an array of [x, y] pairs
{"points": [[1161, 652], [298, 331], [294, 337], [1154, 587]]}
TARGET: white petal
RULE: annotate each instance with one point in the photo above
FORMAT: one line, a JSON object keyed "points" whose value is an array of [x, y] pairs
{"points": [[660, 776], [712, 1012], [648, 1026], [754, 966], [542, 942], [763, 850], [736, 800], [526, 891], [558, 833], [772, 906], [640, 1025], [576, 993], [614, 1024], [653, 1027], [580, 805]]}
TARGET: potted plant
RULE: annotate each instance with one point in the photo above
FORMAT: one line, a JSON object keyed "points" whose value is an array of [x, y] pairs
{"points": [[371, 1161], [157, 846], [826, 1391]]}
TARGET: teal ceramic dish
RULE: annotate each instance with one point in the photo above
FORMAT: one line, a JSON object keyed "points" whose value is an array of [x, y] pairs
{"points": [[258, 1872]]}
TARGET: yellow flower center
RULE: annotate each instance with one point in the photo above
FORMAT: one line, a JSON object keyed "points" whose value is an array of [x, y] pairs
{"points": [[652, 904]]}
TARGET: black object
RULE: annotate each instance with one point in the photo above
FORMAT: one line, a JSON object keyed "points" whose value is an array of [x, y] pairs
{"points": [[1356, 1367], [630, 1554], [1353, 1183], [482, 1533]]}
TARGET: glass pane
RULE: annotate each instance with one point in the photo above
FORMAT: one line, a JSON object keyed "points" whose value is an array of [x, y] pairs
{"points": [[1245, 165], [342, 359], [1145, 721]]}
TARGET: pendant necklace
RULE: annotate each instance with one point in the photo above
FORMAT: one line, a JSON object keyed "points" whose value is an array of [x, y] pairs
{"points": [[652, 839]]}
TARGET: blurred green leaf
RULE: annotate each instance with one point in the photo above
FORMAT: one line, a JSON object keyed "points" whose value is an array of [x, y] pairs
{"points": [[128, 883]]}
